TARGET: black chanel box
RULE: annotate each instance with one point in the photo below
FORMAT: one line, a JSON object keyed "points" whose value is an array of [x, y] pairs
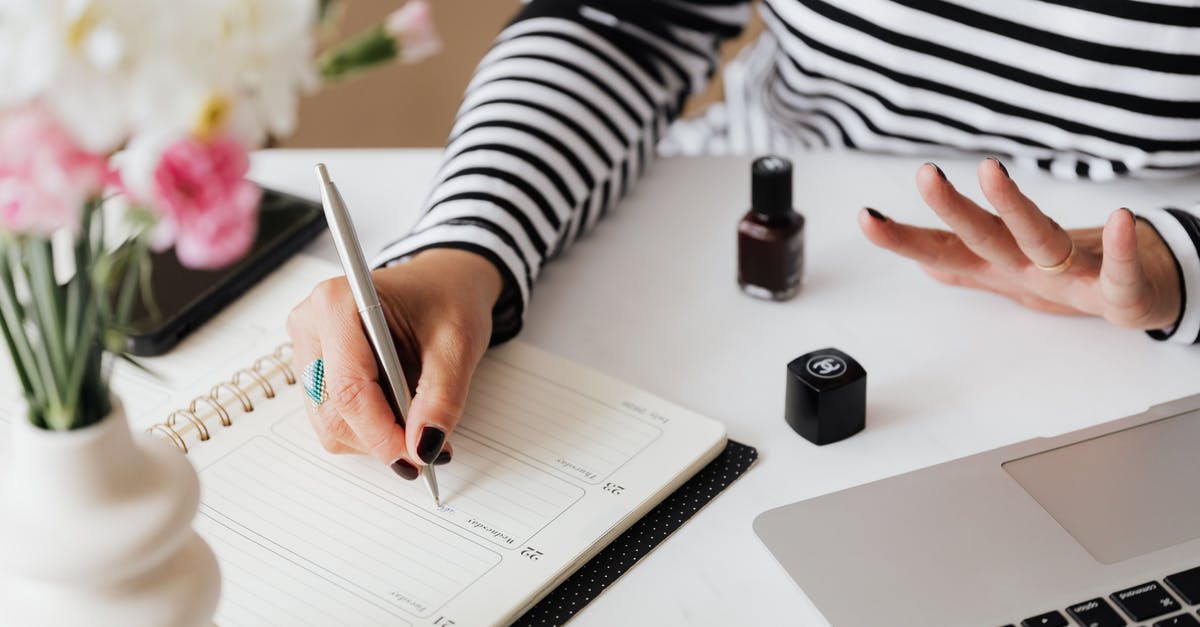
{"points": [[826, 396]]}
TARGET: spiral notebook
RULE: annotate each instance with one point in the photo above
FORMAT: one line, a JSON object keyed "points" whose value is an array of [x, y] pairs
{"points": [[551, 463]]}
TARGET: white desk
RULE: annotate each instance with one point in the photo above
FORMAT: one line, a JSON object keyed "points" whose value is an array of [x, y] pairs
{"points": [[650, 297]]}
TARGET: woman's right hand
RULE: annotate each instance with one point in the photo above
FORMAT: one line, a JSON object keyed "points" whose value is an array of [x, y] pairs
{"points": [[438, 306]]}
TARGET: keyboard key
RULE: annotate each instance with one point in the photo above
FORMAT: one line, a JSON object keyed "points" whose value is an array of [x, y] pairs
{"points": [[1183, 620], [1096, 613], [1187, 584], [1149, 600], [1049, 619]]}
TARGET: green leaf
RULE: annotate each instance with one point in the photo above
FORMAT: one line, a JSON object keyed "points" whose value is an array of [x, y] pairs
{"points": [[40, 362], [137, 363], [14, 322], [47, 298]]}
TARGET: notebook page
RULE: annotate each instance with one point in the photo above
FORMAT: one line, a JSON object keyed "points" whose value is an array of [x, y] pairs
{"points": [[550, 462]]}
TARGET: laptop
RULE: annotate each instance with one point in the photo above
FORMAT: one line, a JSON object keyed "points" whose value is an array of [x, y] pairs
{"points": [[1096, 527]]}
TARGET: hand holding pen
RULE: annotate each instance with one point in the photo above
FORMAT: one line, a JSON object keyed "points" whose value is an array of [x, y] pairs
{"points": [[437, 309]]}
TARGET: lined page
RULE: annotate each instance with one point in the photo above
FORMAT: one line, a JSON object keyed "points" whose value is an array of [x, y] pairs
{"points": [[573, 433], [551, 461], [486, 492], [348, 536]]}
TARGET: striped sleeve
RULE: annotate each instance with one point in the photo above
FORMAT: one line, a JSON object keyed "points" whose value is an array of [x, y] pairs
{"points": [[559, 120], [1180, 229]]}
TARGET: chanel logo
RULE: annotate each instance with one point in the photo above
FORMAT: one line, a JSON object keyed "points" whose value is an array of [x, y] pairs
{"points": [[826, 366]]}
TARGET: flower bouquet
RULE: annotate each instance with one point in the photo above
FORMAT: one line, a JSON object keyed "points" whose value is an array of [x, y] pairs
{"points": [[146, 109], [125, 127]]}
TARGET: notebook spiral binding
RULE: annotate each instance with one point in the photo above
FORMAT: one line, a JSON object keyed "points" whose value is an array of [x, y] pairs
{"points": [[237, 388]]}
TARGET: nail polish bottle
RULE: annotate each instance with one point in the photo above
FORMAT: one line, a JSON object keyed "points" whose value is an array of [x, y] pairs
{"points": [[771, 235]]}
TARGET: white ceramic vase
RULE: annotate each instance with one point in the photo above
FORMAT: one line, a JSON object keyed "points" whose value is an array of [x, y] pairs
{"points": [[95, 529]]}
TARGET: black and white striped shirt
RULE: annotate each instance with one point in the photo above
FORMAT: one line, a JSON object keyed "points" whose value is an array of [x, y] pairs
{"points": [[564, 113]]}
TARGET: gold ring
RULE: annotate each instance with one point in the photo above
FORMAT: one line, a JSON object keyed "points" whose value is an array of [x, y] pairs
{"points": [[1063, 265]]}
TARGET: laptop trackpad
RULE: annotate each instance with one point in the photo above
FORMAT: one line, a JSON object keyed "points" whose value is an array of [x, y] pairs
{"points": [[1123, 494]]}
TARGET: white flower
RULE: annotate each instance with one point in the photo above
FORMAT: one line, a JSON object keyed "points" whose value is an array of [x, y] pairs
{"points": [[112, 70]]}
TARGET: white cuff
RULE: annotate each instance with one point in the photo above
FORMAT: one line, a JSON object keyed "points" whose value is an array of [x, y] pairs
{"points": [[1181, 232]]}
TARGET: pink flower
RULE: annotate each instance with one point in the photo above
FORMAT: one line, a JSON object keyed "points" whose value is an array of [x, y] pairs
{"points": [[45, 177], [412, 26], [207, 206]]}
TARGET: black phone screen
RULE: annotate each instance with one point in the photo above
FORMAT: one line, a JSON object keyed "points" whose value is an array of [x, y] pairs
{"points": [[186, 298]]}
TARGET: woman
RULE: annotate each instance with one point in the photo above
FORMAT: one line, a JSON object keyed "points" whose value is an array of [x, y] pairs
{"points": [[565, 111]]}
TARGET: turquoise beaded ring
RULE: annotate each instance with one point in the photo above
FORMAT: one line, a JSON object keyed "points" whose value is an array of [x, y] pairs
{"points": [[313, 380]]}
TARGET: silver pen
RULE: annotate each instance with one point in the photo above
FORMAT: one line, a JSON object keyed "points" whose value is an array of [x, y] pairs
{"points": [[359, 275]]}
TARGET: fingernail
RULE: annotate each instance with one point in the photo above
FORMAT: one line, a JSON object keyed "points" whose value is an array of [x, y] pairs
{"points": [[1001, 166], [443, 458], [939, 171], [876, 215], [405, 469], [430, 443]]}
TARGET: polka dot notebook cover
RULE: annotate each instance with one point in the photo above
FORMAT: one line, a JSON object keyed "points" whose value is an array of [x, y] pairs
{"points": [[601, 571]]}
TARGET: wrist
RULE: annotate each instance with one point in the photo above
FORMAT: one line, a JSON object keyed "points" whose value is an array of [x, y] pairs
{"points": [[469, 272]]}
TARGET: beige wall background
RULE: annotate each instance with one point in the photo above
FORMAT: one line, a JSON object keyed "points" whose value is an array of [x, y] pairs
{"points": [[414, 105]]}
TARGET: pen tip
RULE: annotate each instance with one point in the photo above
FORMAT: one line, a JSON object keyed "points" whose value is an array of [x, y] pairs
{"points": [[322, 173]]}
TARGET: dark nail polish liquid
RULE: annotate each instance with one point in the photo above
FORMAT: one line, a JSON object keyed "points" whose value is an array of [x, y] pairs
{"points": [[771, 235]]}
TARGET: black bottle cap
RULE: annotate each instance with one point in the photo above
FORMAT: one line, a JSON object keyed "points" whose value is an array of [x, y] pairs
{"points": [[771, 186], [826, 398]]}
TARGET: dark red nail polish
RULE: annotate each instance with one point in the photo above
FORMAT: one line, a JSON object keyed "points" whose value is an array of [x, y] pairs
{"points": [[938, 170], [875, 214], [443, 458], [405, 469], [770, 239], [430, 443], [1001, 165]]}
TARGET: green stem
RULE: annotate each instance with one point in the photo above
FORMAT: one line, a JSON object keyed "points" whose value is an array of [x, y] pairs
{"points": [[76, 291], [47, 296], [129, 284], [87, 337], [364, 50], [40, 359], [11, 310], [10, 340]]}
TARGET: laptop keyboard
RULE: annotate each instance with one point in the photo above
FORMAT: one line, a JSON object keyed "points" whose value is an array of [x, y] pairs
{"points": [[1151, 604]]}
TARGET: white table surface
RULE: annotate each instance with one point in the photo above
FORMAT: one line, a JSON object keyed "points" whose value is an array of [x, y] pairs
{"points": [[651, 298]]}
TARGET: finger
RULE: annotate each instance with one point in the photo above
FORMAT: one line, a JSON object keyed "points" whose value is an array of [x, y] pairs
{"points": [[980, 230], [352, 376], [935, 248], [1024, 298], [333, 433], [1123, 281], [1040, 238], [446, 368]]}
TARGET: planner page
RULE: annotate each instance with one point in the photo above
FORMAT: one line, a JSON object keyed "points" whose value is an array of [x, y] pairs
{"points": [[551, 462]]}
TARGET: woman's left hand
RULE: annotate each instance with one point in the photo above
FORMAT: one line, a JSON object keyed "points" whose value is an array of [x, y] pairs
{"points": [[1123, 272]]}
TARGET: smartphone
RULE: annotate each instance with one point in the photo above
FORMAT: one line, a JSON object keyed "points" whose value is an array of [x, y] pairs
{"points": [[187, 298]]}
